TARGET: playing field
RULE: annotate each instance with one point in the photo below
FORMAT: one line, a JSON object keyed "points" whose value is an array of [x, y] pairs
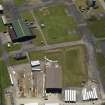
{"points": [[72, 61], [59, 27], [4, 81], [97, 27]]}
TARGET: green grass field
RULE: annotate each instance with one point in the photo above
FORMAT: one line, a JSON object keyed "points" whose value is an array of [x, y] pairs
{"points": [[72, 61], [19, 2], [1, 1], [97, 27], [2, 27], [59, 27], [4, 81], [13, 61], [37, 41], [14, 47], [101, 66]]}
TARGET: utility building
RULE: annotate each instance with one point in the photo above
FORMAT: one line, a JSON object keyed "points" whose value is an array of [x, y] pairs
{"points": [[1, 9], [19, 31]]}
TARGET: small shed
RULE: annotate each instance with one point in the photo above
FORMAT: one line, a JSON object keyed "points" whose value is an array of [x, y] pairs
{"points": [[70, 96], [1, 9], [4, 19]]}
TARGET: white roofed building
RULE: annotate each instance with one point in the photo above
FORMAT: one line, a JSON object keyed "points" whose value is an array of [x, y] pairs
{"points": [[36, 65], [31, 104], [1, 9]]}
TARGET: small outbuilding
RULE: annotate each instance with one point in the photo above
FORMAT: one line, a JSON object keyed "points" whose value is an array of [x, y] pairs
{"points": [[36, 65], [1, 9], [4, 19]]}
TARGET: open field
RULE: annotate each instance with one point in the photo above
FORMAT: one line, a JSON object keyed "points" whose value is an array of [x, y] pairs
{"points": [[13, 47], [13, 61], [59, 27], [38, 40], [1, 1], [4, 81], [97, 27], [101, 66], [19, 2], [72, 61], [22, 2]]}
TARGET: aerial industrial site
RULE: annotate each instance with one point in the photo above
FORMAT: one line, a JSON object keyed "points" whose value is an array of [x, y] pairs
{"points": [[52, 52]]}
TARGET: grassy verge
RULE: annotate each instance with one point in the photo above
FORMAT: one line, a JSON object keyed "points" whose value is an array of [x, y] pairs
{"points": [[101, 66], [4, 81], [97, 27], [2, 26], [13, 47], [19, 2], [72, 61], [13, 61], [59, 27]]}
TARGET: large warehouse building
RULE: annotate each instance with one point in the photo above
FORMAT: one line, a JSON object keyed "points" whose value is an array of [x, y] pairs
{"points": [[53, 78], [19, 31]]}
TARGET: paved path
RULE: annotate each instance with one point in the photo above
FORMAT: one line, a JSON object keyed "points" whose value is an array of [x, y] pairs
{"points": [[50, 47]]}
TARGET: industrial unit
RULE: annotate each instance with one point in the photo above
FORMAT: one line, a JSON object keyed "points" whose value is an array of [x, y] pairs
{"points": [[53, 78], [36, 65], [19, 31]]}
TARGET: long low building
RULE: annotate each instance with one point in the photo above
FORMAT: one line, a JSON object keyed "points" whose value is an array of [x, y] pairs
{"points": [[19, 31], [53, 78]]}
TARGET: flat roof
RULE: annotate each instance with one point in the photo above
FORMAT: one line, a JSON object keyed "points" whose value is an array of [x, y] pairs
{"points": [[53, 75], [35, 63]]}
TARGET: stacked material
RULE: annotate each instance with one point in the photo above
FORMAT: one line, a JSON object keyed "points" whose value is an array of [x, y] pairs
{"points": [[70, 95], [89, 95]]}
